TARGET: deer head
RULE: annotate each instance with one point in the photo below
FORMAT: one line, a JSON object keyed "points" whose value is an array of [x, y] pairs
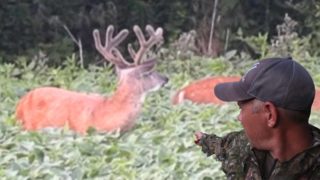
{"points": [[140, 73]]}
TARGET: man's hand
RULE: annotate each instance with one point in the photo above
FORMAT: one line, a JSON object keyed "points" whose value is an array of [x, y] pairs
{"points": [[198, 136]]}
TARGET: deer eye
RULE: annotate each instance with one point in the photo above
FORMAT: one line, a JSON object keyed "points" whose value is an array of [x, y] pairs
{"points": [[145, 74]]}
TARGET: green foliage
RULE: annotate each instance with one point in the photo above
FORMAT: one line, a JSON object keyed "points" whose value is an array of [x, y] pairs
{"points": [[307, 17], [287, 42], [160, 146], [32, 26]]}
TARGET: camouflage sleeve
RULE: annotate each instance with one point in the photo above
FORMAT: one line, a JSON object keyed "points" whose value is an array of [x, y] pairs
{"points": [[208, 142], [231, 150], [315, 174], [213, 144]]}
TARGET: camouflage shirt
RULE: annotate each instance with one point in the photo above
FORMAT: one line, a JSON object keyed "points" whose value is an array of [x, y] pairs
{"points": [[241, 161]]}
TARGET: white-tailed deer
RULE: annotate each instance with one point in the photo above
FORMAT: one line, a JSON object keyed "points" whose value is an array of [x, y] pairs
{"points": [[201, 91], [54, 107]]}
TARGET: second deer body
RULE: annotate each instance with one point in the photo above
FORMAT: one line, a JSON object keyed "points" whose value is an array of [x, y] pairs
{"points": [[54, 107], [201, 91]]}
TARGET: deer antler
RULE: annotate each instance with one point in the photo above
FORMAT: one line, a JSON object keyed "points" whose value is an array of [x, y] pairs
{"points": [[155, 37], [109, 50], [112, 54]]}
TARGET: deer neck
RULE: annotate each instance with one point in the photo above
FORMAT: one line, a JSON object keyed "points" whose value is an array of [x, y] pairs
{"points": [[121, 109], [129, 93]]}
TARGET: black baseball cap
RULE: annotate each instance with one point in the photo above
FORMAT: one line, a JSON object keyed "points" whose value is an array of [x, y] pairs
{"points": [[282, 81]]}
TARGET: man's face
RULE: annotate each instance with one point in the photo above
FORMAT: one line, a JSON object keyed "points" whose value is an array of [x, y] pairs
{"points": [[252, 119]]}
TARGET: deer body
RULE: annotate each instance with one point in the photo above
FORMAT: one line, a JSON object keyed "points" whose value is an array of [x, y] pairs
{"points": [[54, 107]]}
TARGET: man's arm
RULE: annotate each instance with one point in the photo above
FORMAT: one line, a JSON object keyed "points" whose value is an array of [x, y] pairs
{"points": [[315, 173], [232, 150], [213, 144], [207, 142]]}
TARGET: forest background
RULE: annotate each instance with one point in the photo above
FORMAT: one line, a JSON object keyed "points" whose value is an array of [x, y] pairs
{"points": [[28, 27]]}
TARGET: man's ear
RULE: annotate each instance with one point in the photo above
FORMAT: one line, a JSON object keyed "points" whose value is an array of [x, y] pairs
{"points": [[271, 114]]}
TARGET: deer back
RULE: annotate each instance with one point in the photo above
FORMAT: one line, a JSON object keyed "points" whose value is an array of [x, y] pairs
{"points": [[201, 91]]}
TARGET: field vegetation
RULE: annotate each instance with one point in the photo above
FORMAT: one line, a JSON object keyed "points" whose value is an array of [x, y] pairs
{"points": [[159, 147]]}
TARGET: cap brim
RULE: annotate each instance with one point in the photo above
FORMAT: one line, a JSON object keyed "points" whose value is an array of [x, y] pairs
{"points": [[231, 91]]}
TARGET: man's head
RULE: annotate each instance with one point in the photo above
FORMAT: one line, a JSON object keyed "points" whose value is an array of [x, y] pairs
{"points": [[282, 81], [273, 89], [262, 120]]}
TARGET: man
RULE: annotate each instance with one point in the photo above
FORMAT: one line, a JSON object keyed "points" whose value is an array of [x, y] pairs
{"points": [[277, 141]]}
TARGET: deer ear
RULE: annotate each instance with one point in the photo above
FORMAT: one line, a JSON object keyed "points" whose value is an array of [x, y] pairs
{"points": [[118, 70], [148, 65]]}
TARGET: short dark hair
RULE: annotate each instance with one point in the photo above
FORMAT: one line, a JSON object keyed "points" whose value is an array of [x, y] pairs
{"points": [[299, 116]]}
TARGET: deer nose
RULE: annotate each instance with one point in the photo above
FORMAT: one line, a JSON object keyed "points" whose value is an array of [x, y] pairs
{"points": [[166, 79]]}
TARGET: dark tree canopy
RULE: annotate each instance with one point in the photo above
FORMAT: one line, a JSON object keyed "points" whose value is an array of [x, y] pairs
{"points": [[30, 26]]}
